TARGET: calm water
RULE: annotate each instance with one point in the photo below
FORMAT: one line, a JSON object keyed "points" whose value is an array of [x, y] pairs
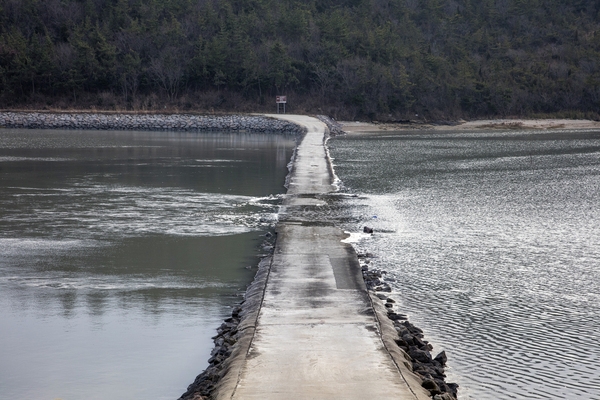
{"points": [[121, 252], [493, 240]]}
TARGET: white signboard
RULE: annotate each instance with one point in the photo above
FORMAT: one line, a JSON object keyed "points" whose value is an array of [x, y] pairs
{"points": [[281, 99]]}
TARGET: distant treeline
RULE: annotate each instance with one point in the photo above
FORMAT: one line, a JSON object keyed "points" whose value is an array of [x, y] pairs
{"points": [[385, 59]]}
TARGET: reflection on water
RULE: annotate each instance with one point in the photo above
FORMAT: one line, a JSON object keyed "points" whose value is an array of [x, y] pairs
{"points": [[121, 252], [493, 240]]}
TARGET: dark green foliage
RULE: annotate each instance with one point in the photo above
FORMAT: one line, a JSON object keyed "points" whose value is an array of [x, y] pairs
{"points": [[374, 58]]}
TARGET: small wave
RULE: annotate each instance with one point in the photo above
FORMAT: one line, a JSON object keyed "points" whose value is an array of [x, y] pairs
{"points": [[210, 161], [267, 199], [15, 159], [11, 246], [107, 283], [94, 210]]}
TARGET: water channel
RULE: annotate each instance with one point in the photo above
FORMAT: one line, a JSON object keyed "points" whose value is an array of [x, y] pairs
{"points": [[121, 252], [491, 241]]}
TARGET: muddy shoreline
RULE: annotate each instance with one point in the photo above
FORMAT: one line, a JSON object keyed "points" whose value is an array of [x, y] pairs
{"points": [[489, 124]]}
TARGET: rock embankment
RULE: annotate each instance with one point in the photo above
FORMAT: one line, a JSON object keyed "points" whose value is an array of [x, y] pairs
{"points": [[410, 338], [230, 335], [335, 128], [147, 122]]}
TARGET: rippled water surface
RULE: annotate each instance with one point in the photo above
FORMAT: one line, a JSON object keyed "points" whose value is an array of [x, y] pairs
{"points": [[121, 252], [492, 241]]}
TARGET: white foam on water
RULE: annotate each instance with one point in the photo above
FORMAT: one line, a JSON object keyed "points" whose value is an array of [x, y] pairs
{"points": [[13, 246], [210, 161], [108, 283], [337, 183], [18, 159], [128, 210], [355, 237]]}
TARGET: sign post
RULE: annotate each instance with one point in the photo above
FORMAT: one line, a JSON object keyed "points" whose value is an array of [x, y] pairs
{"points": [[281, 100]]}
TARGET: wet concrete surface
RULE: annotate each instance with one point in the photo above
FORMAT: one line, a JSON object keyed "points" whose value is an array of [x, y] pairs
{"points": [[316, 333]]}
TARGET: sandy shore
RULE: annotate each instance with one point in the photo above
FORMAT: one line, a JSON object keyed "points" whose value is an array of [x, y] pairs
{"points": [[495, 124]]}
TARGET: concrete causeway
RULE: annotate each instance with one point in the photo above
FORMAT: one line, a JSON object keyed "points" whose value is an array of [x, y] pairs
{"points": [[317, 333]]}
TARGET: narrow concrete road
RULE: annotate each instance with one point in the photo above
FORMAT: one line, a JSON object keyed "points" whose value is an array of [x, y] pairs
{"points": [[317, 335]]}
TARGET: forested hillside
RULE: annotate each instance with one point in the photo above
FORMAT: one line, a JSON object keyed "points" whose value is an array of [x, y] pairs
{"points": [[384, 59]]}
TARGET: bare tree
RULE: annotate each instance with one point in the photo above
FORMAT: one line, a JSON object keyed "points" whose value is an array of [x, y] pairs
{"points": [[168, 70], [324, 77]]}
